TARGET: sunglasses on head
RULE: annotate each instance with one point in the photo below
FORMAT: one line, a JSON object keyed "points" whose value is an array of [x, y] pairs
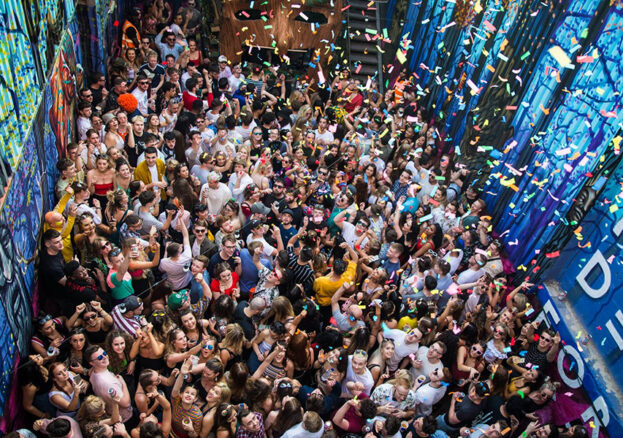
{"points": [[115, 252], [44, 319], [361, 353]]}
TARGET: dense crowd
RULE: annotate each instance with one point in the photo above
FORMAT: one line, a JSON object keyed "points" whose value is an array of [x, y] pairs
{"points": [[238, 251]]}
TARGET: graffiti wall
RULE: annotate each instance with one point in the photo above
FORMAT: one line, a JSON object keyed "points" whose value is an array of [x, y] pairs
{"points": [[36, 124], [29, 37]]}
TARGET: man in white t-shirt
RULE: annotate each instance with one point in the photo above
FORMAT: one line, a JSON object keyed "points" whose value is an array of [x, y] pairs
{"points": [[352, 233], [428, 394], [474, 271], [142, 95], [428, 359], [358, 376], [404, 345], [257, 235]]}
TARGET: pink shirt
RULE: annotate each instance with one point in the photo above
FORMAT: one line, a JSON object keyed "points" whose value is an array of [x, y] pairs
{"points": [[101, 382]]}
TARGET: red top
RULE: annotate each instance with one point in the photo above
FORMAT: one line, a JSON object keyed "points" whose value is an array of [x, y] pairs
{"points": [[102, 189], [215, 285]]}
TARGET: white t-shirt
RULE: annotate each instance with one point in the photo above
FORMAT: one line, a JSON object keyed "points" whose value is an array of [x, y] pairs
{"points": [[178, 271], [324, 138], [348, 233], [234, 82], [365, 378], [401, 348], [426, 397], [426, 367], [154, 176], [454, 261], [470, 276], [267, 249]]}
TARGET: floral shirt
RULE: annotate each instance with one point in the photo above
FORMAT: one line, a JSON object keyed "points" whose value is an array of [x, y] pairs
{"points": [[384, 394]]}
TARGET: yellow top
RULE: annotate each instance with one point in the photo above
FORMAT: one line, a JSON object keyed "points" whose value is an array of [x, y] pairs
{"points": [[324, 287], [68, 250]]}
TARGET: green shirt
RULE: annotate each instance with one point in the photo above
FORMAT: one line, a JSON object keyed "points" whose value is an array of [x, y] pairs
{"points": [[120, 288]]}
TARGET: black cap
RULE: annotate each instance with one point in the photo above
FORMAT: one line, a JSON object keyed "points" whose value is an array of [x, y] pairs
{"points": [[253, 224]]}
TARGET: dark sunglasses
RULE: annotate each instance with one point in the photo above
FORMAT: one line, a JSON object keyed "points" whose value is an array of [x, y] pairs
{"points": [[102, 356], [115, 252]]}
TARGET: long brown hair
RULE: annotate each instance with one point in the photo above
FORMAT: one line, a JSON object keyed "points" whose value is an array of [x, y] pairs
{"points": [[298, 348]]}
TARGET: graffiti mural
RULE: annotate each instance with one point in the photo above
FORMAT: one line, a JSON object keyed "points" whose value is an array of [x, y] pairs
{"points": [[63, 89], [30, 32]]}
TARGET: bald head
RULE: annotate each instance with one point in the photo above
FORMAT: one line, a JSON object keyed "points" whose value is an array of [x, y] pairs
{"points": [[54, 219]]}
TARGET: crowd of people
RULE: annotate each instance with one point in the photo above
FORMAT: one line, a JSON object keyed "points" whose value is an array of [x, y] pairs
{"points": [[237, 251]]}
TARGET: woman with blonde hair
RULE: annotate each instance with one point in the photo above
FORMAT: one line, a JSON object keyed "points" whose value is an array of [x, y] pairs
{"points": [[378, 361], [262, 173], [92, 413], [176, 348], [244, 155], [101, 179], [231, 345], [219, 393]]}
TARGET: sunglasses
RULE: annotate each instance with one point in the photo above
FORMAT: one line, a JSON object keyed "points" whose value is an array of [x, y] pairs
{"points": [[361, 353], [115, 252], [158, 313], [476, 350], [144, 82], [200, 231], [102, 356], [209, 347], [323, 173], [45, 319], [90, 317]]}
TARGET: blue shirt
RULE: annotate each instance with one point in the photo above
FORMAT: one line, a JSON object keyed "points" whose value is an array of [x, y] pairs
{"points": [[165, 49], [196, 291], [249, 273]]}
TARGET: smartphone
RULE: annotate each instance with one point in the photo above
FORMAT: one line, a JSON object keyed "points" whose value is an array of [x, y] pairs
{"points": [[134, 250]]}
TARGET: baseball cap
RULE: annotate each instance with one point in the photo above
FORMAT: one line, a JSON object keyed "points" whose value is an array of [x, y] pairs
{"points": [[288, 211], [176, 299], [132, 303], [253, 224], [222, 58], [260, 208]]}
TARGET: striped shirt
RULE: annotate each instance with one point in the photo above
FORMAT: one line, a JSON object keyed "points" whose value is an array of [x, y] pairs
{"points": [[303, 274], [179, 413], [124, 324]]}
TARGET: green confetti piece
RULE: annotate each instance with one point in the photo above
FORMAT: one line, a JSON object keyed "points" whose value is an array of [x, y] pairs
{"points": [[525, 55], [522, 395], [584, 33], [268, 26]]}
